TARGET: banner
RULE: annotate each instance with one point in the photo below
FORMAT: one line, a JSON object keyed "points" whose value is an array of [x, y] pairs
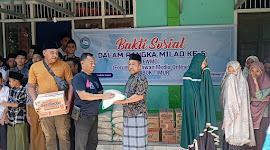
{"points": [[166, 51]]}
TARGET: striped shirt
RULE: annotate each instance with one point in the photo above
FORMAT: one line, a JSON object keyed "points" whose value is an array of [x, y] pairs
{"points": [[17, 115]]}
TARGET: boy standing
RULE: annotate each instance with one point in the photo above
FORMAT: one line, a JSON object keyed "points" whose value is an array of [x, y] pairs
{"points": [[11, 61], [30, 55], [17, 126], [3, 70], [64, 39], [21, 60], [74, 67], [70, 50], [4, 91]]}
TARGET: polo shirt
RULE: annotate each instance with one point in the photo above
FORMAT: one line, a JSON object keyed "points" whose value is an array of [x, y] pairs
{"points": [[39, 75]]}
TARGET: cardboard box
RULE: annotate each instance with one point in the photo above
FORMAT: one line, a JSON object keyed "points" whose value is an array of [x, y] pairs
{"points": [[178, 124], [153, 121], [50, 104], [153, 135], [178, 135], [167, 125], [168, 136], [178, 118], [162, 113], [166, 118], [178, 114], [166, 114]]}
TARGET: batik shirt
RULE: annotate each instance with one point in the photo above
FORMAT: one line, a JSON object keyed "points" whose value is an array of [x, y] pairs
{"points": [[136, 84], [17, 115]]}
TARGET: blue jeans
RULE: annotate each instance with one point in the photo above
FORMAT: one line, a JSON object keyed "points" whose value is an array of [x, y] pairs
{"points": [[86, 137]]}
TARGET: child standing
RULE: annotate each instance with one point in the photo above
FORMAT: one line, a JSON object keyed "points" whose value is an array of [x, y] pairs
{"points": [[70, 50], [21, 60], [4, 91], [17, 126]]}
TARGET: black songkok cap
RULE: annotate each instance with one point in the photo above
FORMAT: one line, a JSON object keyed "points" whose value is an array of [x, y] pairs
{"points": [[15, 75], [135, 57], [39, 52], [22, 53], [50, 45], [33, 47], [71, 41]]}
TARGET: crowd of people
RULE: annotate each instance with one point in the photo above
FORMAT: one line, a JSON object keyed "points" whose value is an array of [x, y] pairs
{"points": [[23, 77], [244, 100]]}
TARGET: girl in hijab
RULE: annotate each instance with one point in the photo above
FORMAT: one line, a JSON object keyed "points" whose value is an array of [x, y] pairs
{"points": [[249, 61], [267, 66], [259, 89], [199, 127], [235, 103]]}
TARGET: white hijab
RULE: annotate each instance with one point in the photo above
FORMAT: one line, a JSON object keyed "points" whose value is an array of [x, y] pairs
{"points": [[235, 102], [246, 70]]}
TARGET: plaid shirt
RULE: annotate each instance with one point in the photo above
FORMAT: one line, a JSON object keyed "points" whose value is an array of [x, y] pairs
{"points": [[17, 115]]}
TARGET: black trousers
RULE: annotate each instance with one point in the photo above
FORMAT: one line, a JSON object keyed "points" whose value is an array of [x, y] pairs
{"points": [[86, 137], [3, 136]]}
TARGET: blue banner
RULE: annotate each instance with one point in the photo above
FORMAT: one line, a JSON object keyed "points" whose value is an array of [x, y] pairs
{"points": [[166, 51]]}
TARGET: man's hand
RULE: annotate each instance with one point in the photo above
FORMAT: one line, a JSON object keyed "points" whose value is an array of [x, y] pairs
{"points": [[68, 106], [107, 96], [6, 104], [120, 102], [2, 121]]}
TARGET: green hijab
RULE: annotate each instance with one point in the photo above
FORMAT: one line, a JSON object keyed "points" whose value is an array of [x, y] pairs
{"points": [[195, 69], [198, 104]]}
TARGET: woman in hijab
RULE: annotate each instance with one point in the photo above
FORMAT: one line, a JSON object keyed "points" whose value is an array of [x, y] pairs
{"points": [[199, 127], [259, 89], [249, 61], [267, 66], [235, 103]]}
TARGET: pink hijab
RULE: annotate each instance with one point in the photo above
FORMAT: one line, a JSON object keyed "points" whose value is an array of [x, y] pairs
{"points": [[263, 80], [257, 107]]}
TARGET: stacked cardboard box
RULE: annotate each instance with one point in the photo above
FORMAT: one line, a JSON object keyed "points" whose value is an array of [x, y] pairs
{"points": [[153, 121], [153, 135], [178, 135], [166, 118], [167, 126], [178, 120], [168, 136], [153, 127], [178, 117]]}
